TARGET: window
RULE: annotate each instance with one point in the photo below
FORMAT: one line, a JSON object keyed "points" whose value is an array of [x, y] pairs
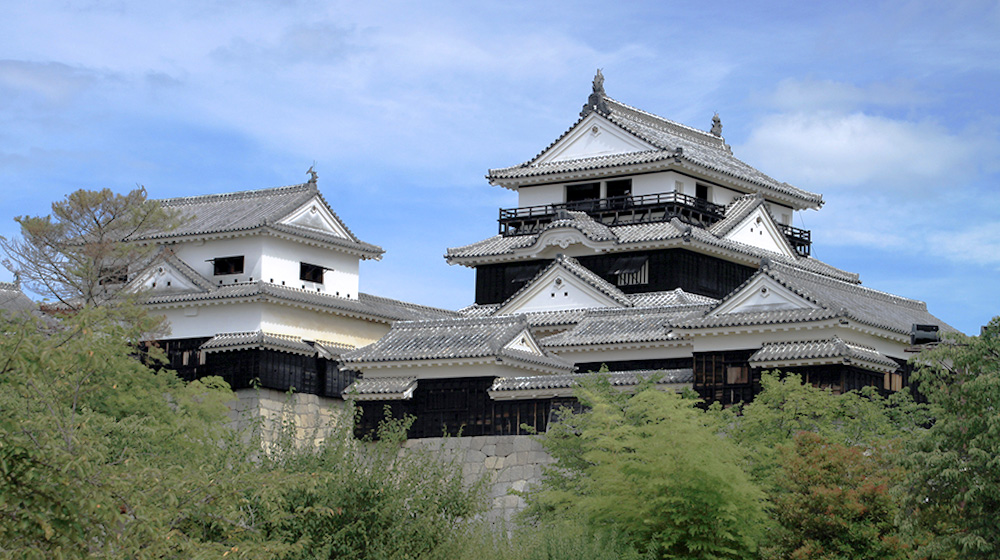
{"points": [[619, 187], [110, 276], [631, 271], [737, 374], [701, 191], [228, 265], [311, 272], [583, 191]]}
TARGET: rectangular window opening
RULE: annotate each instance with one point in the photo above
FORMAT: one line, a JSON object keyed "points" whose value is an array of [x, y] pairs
{"points": [[736, 375], [228, 265], [619, 187], [631, 271], [583, 191], [311, 272]]}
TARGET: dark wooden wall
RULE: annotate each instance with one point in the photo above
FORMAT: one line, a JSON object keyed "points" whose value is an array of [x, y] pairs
{"points": [[668, 269]]}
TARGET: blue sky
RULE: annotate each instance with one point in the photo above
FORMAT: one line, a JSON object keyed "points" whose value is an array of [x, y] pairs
{"points": [[891, 110]]}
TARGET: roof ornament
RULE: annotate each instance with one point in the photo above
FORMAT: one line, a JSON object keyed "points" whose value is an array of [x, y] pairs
{"points": [[596, 100], [717, 126], [313, 176], [17, 280], [765, 263]]}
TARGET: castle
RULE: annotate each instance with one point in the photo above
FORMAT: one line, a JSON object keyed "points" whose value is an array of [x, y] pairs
{"points": [[638, 243]]}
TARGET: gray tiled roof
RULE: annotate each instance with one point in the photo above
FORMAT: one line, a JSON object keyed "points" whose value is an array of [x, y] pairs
{"points": [[257, 339], [695, 146], [736, 212], [381, 388], [14, 302], [254, 210], [452, 339], [670, 298], [570, 380], [366, 305], [778, 353], [636, 236], [623, 326], [835, 298]]}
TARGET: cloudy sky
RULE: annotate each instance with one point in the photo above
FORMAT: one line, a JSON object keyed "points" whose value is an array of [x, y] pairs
{"points": [[891, 110]]}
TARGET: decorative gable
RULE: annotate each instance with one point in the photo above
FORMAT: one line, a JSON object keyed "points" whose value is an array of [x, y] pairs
{"points": [[594, 136], [759, 230], [559, 289], [315, 215], [167, 278], [525, 343], [763, 294]]}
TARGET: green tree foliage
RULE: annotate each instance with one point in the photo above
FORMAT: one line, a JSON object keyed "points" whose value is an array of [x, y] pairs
{"points": [[787, 406], [83, 251], [954, 484], [834, 503], [652, 468], [101, 456]]}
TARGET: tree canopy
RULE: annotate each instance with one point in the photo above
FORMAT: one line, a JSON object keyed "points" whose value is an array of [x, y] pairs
{"points": [[85, 250]]}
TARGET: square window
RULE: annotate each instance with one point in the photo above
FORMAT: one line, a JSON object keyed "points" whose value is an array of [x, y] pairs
{"points": [[311, 272], [228, 265]]}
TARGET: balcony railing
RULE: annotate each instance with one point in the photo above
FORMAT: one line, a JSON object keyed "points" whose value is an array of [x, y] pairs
{"points": [[799, 239], [613, 211]]}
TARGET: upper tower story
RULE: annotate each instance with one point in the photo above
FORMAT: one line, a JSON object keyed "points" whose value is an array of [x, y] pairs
{"points": [[286, 236], [644, 202], [617, 157]]}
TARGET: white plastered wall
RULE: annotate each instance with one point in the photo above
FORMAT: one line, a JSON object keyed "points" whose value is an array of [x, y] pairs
{"points": [[209, 320], [315, 325], [281, 265], [541, 194], [197, 255]]}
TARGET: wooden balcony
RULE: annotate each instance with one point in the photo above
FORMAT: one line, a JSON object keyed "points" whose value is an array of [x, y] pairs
{"points": [[614, 211], [799, 239]]}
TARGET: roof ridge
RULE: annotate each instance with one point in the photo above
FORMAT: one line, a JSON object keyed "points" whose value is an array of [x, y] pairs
{"points": [[855, 288], [666, 125], [253, 193], [463, 321]]}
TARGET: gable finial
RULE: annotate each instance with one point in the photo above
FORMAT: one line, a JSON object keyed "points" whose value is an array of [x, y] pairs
{"points": [[596, 100], [313, 176], [717, 126], [599, 82]]}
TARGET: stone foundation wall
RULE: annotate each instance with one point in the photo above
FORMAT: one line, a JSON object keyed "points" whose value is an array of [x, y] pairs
{"points": [[310, 416], [509, 463]]}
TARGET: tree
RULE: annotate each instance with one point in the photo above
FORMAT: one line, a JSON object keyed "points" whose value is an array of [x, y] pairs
{"points": [[652, 468], [84, 251], [954, 483], [834, 503], [787, 406]]}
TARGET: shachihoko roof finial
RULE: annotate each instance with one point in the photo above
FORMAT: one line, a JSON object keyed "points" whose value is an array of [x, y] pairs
{"points": [[596, 100], [599, 82], [717, 126], [313, 176]]}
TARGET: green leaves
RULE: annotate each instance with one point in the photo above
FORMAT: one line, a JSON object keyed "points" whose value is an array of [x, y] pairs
{"points": [[652, 468]]}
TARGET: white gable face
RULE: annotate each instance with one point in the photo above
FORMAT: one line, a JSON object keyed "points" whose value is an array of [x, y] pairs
{"points": [[594, 136], [758, 229], [525, 343], [557, 290], [315, 215], [764, 294], [165, 279]]}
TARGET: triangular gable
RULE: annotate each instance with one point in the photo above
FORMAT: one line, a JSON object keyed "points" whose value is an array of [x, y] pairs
{"points": [[763, 293], [593, 136], [558, 288], [759, 229], [168, 275], [525, 343], [315, 215]]}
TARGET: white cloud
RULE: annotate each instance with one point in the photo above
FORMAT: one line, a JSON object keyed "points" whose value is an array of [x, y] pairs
{"points": [[826, 149]]}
